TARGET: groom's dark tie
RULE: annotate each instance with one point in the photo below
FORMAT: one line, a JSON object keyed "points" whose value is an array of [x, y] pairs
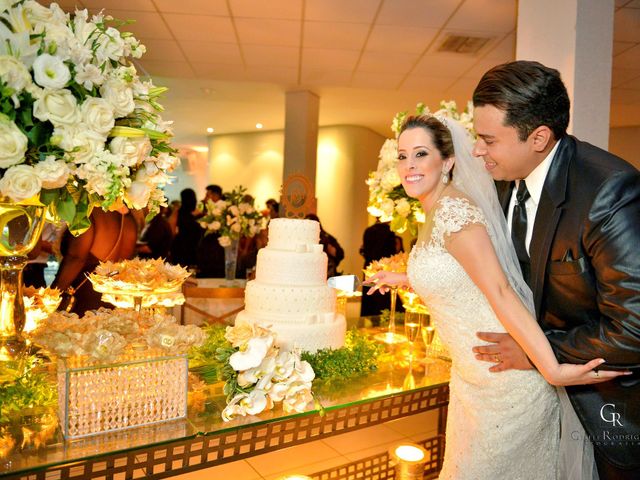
{"points": [[519, 229]]}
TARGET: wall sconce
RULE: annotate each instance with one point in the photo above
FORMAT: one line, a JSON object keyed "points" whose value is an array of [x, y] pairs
{"points": [[409, 460]]}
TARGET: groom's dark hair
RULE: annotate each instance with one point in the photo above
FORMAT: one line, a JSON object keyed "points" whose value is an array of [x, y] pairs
{"points": [[529, 93]]}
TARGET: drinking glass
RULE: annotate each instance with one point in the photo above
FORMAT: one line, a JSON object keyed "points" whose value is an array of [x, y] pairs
{"points": [[428, 332], [412, 324]]}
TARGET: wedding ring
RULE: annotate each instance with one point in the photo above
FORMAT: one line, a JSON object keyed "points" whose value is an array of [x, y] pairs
{"points": [[497, 359], [597, 373]]}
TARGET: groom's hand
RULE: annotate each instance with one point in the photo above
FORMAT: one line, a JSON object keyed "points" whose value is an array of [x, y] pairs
{"points": [[503, 351]]}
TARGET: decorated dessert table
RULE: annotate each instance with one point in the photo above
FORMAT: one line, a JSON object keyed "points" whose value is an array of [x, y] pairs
{"points": [[398, 388]]}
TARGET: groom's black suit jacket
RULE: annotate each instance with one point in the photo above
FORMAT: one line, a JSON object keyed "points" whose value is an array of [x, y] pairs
{"points": [[585, 277]]}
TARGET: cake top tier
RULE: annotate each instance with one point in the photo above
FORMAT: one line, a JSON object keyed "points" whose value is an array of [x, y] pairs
{"points": [[289, 233]]}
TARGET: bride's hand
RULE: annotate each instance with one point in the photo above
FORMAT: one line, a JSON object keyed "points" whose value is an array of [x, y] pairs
{"points": [[570, 374], [383, 281]]}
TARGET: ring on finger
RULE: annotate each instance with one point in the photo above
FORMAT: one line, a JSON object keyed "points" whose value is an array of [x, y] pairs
{"points": [[497, 359], [597, 373]]}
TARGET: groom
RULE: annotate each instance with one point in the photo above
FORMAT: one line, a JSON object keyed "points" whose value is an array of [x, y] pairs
{"points": [[574, 213]]}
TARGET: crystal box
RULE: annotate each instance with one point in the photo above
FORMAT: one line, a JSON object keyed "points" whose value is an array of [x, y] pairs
{"points": [[135, 390]]}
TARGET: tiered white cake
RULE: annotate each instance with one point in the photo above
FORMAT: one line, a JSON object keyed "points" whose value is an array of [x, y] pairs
{"points": [[290, 292]]}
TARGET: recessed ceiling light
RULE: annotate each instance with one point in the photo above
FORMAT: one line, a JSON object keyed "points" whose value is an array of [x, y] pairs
{"points": [[258, 125], [209, 130]]}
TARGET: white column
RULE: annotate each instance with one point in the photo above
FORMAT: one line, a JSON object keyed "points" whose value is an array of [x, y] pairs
{"points": [[301, 134], [576, 38]]}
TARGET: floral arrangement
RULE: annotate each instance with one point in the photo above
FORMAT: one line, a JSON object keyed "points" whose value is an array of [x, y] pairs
{"points": [[275, 375], [258, 374], [387, 198], [39, 303], [23, 386], [78, 127], [138, 275], [394, 263], [105, 334], [233, 217]]}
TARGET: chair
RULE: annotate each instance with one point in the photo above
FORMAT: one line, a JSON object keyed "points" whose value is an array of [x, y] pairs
{"points": [[210, 293]]}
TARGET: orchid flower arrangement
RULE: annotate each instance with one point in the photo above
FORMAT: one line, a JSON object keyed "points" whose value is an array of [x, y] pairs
{"points": [[387, 198], [258, 374], [78, 127], [232, 217]]}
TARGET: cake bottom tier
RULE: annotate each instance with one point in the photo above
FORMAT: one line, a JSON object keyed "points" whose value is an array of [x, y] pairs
{"points": [[306, 337]]}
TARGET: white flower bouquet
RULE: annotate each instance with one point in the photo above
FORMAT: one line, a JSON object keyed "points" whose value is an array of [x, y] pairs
{"points": [[387, 198], [259, 374], [233, 217], [78, 127]]}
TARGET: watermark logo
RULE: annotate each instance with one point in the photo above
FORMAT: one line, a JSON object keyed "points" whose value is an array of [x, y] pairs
{"points": [[609, 415]]}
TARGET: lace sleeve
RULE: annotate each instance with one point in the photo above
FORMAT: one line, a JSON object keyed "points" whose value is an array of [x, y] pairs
{"points": [[451, 216]]}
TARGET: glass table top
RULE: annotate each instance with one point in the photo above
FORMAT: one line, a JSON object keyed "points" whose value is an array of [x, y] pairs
{"points": [[34, 441]]}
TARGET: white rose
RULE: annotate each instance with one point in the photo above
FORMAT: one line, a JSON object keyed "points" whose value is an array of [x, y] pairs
{"points": [[53, 173], [390, 180], [403, 207], [224, 241], [137, 195], [119, 95], [235, 227], [215, 226], [85, 145], [57, 106], [14, 73], [233, 209], [97, 114], [387, 207], [20, 182], [133, 151], [13, 143], [88, 75]]}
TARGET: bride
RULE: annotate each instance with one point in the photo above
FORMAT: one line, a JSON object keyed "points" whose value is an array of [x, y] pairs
{"points": [[466, 271]]}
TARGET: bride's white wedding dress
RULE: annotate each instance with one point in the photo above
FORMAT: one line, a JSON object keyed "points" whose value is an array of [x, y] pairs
{"points": [[500, 425]]}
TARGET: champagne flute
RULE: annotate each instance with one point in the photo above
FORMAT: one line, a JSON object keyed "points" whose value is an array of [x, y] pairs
{"points": [[412, 323], [428, 332]]}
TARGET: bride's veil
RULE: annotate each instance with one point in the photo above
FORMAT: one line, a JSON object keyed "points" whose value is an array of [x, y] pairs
{"points": [[576, 461]]}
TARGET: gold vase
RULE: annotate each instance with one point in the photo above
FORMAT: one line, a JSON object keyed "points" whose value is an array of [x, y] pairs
{"points": [[20, 229]]}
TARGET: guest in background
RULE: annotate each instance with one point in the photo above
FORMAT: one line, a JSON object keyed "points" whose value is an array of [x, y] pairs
{"points": [[273, 208], [332, 248], [172, 216], [111, 237], [156, 237], [378, 241], [213, 193], [189, 232]]}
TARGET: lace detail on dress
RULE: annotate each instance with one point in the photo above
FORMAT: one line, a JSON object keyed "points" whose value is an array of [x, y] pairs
{"points": [[451, 215], [500, 425]]}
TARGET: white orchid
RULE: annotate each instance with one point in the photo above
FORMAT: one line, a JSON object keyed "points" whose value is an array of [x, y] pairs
{"points": [[251, 354]]}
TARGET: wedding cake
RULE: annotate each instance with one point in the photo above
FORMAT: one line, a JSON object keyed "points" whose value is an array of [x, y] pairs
{"points": [[290, 292]]}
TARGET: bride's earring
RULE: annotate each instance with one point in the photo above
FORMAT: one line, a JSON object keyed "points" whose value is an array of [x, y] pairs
{"points": [[445, 178]]}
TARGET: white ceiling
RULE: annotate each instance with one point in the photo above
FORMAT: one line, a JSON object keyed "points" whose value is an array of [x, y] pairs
{"points": [[228, 63]]}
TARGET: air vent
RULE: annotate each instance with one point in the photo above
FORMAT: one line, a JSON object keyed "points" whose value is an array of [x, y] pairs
{"points": [[463, 44]]}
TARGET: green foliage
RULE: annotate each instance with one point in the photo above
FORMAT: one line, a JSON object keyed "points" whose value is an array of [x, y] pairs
{"points": [[358, 356], [23, 387], [204, 360]]}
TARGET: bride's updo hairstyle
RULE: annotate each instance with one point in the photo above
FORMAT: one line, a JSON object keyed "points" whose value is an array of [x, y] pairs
{"points": [[440, 134]]}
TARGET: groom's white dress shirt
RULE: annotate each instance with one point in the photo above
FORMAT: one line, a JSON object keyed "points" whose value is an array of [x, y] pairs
{"points": [[535, 182]]}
